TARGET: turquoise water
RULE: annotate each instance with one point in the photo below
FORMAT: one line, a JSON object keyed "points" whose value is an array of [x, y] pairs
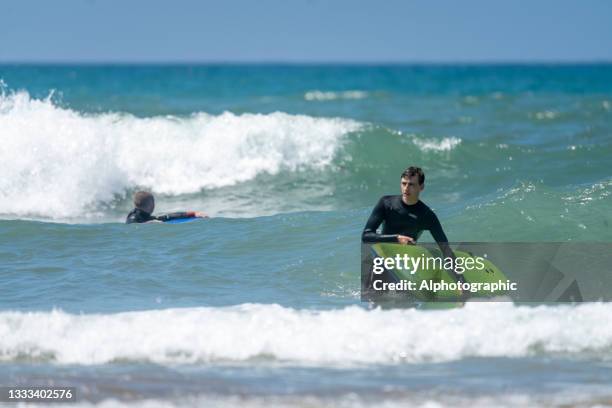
{"points": [[260, 304]]}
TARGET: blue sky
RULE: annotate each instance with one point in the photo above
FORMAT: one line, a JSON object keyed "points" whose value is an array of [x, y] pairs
{"points": [[305, 31]]}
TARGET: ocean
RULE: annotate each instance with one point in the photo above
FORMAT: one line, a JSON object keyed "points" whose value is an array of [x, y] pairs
{"points": [[260, 304]]}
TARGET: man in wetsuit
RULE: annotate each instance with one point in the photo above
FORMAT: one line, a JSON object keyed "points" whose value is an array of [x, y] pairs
{"points": [[405, 217], [144, 204]]}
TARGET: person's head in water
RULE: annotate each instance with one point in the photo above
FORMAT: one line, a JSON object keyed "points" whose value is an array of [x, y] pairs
{"points": [[143, 200], [412, 182]]}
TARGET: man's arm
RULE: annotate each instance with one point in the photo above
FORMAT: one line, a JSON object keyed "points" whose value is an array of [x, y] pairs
{"points": [[179, 215], [438, 234], [369, 234]]}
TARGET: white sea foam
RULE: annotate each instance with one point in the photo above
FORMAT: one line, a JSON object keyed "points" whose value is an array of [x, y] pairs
{"points": [[317, 95], [56, 162], [445, 144], [419, 399], [545, 115], [322, 338]]}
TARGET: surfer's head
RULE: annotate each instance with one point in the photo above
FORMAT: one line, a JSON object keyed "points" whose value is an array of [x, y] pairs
{"points": [[143, 200], [412, 182]]}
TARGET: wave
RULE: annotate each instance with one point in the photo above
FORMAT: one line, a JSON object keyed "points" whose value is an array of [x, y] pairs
{"points": [[70, 166], [317, 95], [445, 144], [321, 338], [396, 399], [533, 211], [58, 163]]}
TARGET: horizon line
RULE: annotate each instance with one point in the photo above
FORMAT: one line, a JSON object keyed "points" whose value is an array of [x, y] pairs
{"points": [[601, 61]]}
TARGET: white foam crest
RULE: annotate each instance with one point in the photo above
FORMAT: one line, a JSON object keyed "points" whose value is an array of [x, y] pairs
{"points": [[445, 144], [545, 115], [419, 399], [325, 338], [317, 95], [58, 163]]}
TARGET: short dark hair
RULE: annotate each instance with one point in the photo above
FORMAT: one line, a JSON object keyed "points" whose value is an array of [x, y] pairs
{"points": [[143, 200], [414, 171]]}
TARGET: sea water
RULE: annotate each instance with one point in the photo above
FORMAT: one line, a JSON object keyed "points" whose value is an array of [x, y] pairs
{"points": [[259, 305]]}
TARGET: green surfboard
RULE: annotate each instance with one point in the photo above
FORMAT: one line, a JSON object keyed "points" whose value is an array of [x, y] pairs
{"points": [[489, 273]]}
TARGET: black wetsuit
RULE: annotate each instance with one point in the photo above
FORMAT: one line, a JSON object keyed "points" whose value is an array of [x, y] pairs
{"points": [[399, 218], [139, 216]]}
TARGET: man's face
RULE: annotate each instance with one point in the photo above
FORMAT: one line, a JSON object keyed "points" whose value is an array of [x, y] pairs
{"points": [[410, 189]]}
